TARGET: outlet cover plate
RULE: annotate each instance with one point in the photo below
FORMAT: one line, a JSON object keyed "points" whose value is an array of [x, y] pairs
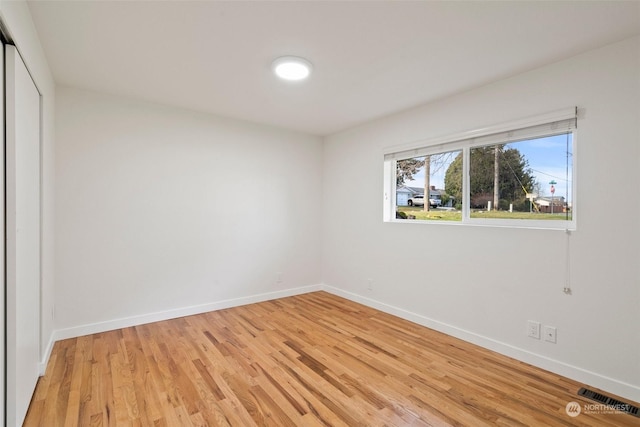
{"points": [[550, 334], [533, 329]]}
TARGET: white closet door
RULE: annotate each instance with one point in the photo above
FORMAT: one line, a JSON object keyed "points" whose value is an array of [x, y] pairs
{"points": [[23, 236], [2, 270]]}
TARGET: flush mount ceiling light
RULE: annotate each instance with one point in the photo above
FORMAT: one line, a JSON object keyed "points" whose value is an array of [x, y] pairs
{"points": [[291, 68]]}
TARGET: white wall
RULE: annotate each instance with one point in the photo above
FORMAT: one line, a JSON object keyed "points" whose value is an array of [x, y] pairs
{"points": [[490, 280], [163, 212], [17, 19]]}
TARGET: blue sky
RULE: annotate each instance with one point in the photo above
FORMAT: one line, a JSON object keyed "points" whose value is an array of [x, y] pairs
{"points": [[548, 161], [546, 156], [438, 170]]}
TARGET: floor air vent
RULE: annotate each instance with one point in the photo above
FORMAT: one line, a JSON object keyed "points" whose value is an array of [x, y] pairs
{"points": [[609, 401]]}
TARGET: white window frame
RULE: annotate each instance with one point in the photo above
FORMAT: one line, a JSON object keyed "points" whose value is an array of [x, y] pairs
{"points": [[464, 142]]}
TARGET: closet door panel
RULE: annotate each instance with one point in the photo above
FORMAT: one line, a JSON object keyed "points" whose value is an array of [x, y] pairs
{"points": [[23, 235], [2, 266]]}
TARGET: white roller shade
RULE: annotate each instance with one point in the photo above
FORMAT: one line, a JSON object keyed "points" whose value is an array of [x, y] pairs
{"points": [[539, 127]]}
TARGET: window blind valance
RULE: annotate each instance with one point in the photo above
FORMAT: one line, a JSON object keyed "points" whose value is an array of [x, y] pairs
{"points": [[549, 125]]}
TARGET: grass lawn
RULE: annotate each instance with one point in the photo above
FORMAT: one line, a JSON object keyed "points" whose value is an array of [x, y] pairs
{"points": [[434, 215], [444, 215], [519, 215]]}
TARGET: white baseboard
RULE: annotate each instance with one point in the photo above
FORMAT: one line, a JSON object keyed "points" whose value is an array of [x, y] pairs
{"points": [[94, 328], [42, 366], [594, 379]]}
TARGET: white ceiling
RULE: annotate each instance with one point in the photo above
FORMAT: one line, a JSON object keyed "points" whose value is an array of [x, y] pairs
{"points": [[370, 59]]}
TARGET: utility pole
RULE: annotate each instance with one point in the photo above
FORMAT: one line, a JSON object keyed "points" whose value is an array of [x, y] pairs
{"points": [[427, 182], [496, 176]]}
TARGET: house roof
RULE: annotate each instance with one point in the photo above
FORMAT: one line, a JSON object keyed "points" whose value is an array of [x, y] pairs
{"points": [[420, 190], [546, 201]]}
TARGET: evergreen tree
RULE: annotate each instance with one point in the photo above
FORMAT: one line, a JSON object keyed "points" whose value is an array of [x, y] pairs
{"points": [[515, 178]]}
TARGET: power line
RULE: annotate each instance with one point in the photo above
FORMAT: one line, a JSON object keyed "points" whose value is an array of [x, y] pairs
{"points": [[552, 176]]}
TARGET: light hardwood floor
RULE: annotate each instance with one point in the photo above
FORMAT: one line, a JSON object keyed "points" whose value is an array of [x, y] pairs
{"points": [[309, 360]]}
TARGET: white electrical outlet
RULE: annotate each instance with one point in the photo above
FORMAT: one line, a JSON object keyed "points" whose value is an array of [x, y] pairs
{"points": [[550, 334], [369, 284], [533, 329]]}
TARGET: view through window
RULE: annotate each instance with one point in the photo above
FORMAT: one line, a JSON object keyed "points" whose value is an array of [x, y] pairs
{"points": [[527, 176], [438, 174]]}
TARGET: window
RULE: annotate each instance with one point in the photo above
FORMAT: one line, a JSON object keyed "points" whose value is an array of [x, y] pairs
{"points": [[418, 176], [520, 174]]}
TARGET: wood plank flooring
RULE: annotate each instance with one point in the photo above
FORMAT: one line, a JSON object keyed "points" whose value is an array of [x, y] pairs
{"points": [[309, 360]]}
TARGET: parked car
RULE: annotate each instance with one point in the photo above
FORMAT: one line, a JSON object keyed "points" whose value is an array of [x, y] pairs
{"points": [[419, 201]]}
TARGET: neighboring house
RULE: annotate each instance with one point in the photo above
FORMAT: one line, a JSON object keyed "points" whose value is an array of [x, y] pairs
{"points": [[404, 193], [544, 204]]}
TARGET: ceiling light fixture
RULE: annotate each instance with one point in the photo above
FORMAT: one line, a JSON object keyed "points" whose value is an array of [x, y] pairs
{"points": [[292, 68]]}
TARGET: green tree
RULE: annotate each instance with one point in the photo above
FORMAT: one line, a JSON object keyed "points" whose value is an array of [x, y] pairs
{"points": [[515, 178], [453, 179]]}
